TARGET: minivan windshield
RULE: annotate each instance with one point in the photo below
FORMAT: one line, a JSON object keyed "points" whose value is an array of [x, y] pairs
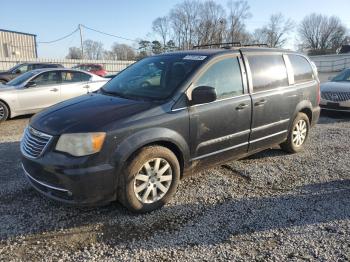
{"points": [[20, 79], [344, 76], [154, 78]]}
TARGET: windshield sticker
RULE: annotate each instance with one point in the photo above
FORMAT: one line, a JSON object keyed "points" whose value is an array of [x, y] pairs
{"points": [[195, 57]]}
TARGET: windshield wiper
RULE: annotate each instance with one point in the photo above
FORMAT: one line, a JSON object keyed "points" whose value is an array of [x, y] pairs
{"points": [[114, 94]]}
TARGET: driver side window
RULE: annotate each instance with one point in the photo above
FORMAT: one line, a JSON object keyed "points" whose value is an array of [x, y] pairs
{"points": [[47, 78], [225, 76]]}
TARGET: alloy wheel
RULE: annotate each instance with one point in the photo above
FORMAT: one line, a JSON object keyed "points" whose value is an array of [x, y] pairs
{"points": [[153, 180], [2, 112], [299, 133]]}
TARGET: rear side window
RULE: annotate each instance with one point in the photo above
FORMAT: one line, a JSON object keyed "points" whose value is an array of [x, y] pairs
{"points": [[302, 69], [96, 68], [268, 72], [73, 77], [225, 77]]}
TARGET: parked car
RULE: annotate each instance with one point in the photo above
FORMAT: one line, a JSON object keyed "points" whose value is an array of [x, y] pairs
{"points": [[335, 94], [92, 68], [19, 69], [344, 49], [133, 143], [41, 88], [110, 76]]}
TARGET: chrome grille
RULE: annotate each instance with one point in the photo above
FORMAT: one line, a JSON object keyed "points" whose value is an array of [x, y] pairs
{"points": [[336, 96], [34, 142]]}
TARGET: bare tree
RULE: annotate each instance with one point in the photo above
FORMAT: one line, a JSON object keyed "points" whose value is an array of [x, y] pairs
{"points": [[321, 33], [120, 52], [74, 53], [183, 19], [93, 49], [275, 33], [212, 23], [238, 13], [161, 26]]}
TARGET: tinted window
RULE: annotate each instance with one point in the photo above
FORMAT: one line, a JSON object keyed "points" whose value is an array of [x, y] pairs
{"points": [[48, 66], [153, 77], [96, 68], [268, 71], [225, 76], [22, 69], [84, 77], [344, 76], [38, 66], [47, 78], [73, 77], [302, 69]]}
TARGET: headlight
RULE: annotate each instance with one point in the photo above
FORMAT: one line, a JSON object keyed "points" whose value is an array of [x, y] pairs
{"points": [[81, 144]]}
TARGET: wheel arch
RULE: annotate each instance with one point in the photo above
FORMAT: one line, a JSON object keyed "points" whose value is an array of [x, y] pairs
{"points": [[154, 136], [8, 107], [303, 107]]}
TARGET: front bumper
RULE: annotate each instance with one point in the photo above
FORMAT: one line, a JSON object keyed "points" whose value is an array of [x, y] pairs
{"points": [[78, 185], [335, 106]]}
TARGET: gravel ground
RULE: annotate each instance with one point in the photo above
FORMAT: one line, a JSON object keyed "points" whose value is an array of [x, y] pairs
{"points": [[271, 206]]}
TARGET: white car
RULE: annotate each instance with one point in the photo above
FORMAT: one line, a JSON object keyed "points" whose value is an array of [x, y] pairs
{"points": [[38, 89], [335, 94]]}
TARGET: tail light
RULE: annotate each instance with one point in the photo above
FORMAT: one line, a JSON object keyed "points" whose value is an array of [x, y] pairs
{"points": [[318, 93]]}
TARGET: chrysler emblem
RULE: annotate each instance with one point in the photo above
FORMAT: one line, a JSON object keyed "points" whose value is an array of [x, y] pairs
{"points": [[335, 97]]}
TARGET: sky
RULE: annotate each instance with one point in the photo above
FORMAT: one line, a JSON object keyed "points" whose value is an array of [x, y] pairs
{"points": [[132, 19]]}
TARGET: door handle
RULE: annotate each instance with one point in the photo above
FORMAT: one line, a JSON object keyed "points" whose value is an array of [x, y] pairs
{"points": [[241, 106], [86, 86], [54, 89], [260, 103]]}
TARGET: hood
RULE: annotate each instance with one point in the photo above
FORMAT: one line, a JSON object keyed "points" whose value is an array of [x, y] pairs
{"points": [[335, 87], [88, 113], [4, 88]]}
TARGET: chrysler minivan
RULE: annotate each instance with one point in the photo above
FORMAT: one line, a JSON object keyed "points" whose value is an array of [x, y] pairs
{"points": [[133, 142]]}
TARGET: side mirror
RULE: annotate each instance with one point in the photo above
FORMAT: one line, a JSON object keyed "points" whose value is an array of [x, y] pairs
{"points": [[203, 94], [31, 84], [17, 72]]}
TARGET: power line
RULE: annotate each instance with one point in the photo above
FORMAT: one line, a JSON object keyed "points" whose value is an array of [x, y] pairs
{"points": [[45, 42], [104, 33], [61, 38]]}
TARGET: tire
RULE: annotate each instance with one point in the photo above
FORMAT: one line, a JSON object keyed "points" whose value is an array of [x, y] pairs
{"points": [[298, 134], [3, 81], [141, 188], [4, 112]]}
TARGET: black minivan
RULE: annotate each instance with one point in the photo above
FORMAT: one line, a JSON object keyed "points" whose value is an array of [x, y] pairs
{"points": [[168, 116]]}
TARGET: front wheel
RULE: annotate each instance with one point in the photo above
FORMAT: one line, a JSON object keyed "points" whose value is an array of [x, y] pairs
{"points": [[298, 134], [149, 180], [4, 112]]}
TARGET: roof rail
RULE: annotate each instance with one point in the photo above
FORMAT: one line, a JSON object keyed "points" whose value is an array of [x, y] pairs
{"points": [[228, 45]]}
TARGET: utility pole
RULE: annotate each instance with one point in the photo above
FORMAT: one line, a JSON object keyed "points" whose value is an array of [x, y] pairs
{"points": [[81, 42]]}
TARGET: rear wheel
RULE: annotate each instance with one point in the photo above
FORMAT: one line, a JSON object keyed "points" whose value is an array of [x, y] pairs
{"points": [[149, 180], [2, 81], [298, 134], [4, 112]]}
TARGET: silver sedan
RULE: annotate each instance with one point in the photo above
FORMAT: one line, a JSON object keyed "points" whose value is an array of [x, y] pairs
{"points": [[39, 89], [335, 94]]}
